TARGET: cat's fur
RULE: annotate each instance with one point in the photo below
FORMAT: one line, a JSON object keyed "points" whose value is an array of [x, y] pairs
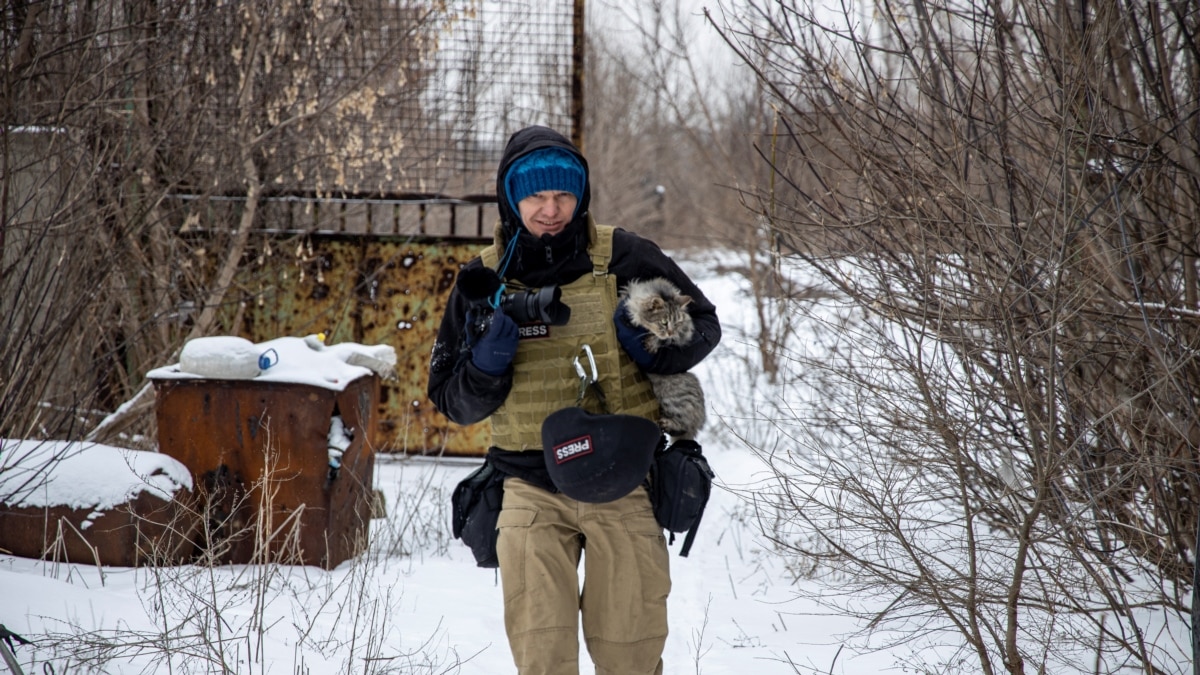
{"points": [[658, 306]]}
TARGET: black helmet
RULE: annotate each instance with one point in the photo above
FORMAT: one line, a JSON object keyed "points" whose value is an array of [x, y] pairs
{"points": [[598, 458]]}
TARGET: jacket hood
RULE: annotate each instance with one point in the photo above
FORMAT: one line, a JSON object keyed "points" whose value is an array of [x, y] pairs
{"points": [[522, 143]]}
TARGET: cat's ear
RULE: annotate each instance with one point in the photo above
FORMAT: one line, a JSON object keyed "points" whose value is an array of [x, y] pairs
{"points": [[684, 300], [655, 304]]}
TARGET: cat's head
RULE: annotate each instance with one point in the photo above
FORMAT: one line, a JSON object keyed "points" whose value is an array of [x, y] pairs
{"points": [[667, 318]]}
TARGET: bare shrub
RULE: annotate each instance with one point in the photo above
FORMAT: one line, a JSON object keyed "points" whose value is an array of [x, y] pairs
{"points": [[1006, 447], [110, 116]]}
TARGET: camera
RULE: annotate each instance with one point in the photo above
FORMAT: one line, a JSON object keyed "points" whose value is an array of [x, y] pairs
{"points": [[538, 305], [535, 305]]}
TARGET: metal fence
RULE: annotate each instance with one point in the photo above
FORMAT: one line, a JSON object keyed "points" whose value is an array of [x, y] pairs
{"points": [[422, 161], [492, 67], [507, 64], [367, 215]]}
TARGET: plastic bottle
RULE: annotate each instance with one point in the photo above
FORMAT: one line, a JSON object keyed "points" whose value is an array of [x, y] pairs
{"points": [[220, 357]]}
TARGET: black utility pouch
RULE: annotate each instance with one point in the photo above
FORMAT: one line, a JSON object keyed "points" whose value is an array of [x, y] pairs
{"points": [[475, 508], [680, 483]]}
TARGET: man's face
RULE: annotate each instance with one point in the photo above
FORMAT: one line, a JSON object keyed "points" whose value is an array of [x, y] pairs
{"points": [[547, 212]]}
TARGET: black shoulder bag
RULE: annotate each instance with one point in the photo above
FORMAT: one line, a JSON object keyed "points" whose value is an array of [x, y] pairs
{"points": [[680, 483], [475, 508]]}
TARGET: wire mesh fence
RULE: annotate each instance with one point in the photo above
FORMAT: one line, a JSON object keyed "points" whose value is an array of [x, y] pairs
{"points": [[360, 116], [511, 63], [438, 90], [434, 121]]}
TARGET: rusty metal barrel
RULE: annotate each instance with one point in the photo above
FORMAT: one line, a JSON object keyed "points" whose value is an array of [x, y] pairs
{"points": [[262, 456]]}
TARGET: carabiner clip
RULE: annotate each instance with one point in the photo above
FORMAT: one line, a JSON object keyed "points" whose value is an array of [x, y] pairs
{"points": [[587, 379], [584, 376]]}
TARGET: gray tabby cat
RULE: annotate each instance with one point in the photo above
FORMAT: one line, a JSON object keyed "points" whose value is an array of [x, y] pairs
{"points": [[659, 307]]}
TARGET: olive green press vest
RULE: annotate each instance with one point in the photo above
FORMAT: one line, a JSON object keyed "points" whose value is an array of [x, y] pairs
{"points": [[544, 375]]}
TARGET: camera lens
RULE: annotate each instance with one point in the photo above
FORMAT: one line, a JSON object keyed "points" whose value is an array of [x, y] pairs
{"points": [[543, 305], [551, 309], [531, 307]]}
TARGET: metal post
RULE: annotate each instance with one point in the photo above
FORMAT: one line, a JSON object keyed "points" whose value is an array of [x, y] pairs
{"points": [[577, 72], [11, 660]]}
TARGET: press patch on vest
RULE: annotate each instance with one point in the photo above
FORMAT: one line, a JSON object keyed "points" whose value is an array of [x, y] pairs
{"points": [[533, 331], [574, 449]]}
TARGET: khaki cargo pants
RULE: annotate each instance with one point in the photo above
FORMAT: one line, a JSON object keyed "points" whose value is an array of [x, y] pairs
{"points": [[626, 581]]}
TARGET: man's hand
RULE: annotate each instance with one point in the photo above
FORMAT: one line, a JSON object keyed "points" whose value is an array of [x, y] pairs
{"points": [[493, 351], [631, 337]]}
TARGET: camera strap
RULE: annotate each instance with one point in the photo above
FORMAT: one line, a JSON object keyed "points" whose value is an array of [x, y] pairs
{"points": [[495, 300]]}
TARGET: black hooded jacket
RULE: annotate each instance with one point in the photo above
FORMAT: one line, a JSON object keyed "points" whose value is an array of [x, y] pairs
{"points": [[465, 394]]}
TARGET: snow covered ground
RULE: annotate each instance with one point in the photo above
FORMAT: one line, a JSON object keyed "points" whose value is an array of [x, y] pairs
{"points": [[418, 595], [416, 603]]}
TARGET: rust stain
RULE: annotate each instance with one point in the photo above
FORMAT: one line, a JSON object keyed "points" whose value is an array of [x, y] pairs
{"points": [[371, 291]]}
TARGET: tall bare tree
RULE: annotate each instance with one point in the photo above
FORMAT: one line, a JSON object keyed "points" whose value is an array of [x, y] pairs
{"points": [[669, 135], [672, 133], [1007, 445]]}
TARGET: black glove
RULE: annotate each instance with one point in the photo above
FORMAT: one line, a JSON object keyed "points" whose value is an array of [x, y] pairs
{"points": [[493, 351], [631, 337]]}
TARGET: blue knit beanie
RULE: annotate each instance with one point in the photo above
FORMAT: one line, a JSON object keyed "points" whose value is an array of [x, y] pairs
{"points": [[541, 170]]}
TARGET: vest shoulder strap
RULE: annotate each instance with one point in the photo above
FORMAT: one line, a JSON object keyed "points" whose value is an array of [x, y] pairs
{"points": [[491, 254], [600, 249]]}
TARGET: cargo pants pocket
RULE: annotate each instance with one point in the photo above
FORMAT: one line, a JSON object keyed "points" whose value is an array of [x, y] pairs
{"points": [[514, 524]]}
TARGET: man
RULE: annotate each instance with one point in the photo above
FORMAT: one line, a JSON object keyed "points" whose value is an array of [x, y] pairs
{"points": [[519, 375]]}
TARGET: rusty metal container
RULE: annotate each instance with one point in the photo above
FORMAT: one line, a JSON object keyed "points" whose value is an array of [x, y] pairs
{"points": [[146, 530], [93, 504], [258, 454]]}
